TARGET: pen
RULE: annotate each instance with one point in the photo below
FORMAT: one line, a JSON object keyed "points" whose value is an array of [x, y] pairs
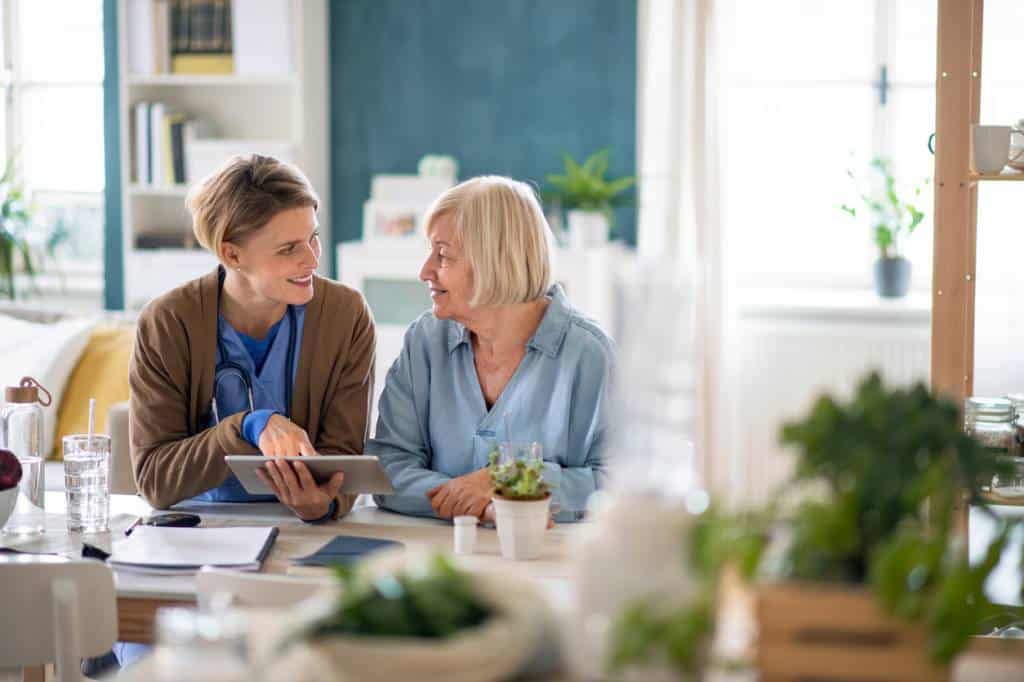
{"points": [[129, 529]]}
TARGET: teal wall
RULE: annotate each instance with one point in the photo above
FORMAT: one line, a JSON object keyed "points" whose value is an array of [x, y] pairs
{"points": [[113, 254], [505, 87]]}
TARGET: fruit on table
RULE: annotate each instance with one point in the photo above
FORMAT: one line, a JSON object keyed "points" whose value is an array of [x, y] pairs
{"points": [[10, 470]]}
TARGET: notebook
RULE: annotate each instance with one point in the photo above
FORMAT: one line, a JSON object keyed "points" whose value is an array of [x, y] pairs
{"points": [[345, 549], [165, 549]]}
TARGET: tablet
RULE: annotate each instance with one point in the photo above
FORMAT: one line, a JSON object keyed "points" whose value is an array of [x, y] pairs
{"points": [[363, 473]]}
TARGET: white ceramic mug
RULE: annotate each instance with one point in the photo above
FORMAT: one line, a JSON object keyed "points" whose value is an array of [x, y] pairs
{"points": [[991, 147]]}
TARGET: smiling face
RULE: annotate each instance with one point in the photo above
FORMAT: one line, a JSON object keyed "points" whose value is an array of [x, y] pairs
{"points": [[446, 271], [278, 260]]}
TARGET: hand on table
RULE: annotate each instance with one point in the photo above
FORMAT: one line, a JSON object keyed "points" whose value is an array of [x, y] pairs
{"points": [[466, 495], [283, 438], [296, 489]]}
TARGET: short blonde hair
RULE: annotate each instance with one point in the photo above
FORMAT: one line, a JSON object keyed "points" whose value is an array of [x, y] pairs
{"points": [[504, 236], [243, 196]]}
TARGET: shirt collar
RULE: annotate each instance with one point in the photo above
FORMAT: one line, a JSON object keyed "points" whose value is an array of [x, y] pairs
{"points": [[549, 335]]}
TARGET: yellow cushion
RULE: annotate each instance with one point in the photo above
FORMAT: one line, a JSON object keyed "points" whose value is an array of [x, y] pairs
{"points": [[101, 373]]}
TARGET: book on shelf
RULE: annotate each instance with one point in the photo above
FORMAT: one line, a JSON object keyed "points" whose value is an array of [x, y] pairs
{"points": [[201, 37], [148, 36], [160, 141], [206, 37]]}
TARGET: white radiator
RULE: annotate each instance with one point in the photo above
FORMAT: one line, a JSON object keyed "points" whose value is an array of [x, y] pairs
{"points": [[784, 356]]}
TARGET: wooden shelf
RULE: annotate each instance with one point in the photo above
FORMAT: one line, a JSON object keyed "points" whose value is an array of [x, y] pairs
{"points": [[1006, 175], [172, 191], [995, 498], [179, 80]]}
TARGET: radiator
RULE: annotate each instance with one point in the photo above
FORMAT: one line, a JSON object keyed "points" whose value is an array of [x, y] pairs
{"points": [[783, 358]]}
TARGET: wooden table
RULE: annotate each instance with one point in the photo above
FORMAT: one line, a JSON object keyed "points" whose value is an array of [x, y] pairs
{"points": [[139, 595]]}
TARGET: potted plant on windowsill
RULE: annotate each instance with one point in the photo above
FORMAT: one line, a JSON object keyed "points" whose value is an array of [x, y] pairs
{"points": [[522, 503], [893, 219], [875, 581], [589, 197]]}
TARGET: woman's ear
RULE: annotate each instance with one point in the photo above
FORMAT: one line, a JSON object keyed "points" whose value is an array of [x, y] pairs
{"points": [[230, 255]]}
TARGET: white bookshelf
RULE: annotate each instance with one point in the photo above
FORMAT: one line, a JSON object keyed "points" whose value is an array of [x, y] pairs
{"points": [[275, 109]]}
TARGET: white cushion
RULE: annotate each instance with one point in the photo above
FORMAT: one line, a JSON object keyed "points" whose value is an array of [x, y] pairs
{"points": [[47, 352]]}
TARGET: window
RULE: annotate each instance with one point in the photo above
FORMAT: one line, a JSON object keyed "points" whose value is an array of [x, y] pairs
{"points": [[53, 121], [811, 89]]}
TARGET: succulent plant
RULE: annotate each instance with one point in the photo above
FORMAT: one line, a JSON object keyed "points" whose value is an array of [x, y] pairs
{"points": [[432, 601], [518, 479], [10, 470]]}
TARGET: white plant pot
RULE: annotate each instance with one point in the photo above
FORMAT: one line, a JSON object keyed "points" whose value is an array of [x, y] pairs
{"points": [[521, 526], [8, 498], [587, 229]]}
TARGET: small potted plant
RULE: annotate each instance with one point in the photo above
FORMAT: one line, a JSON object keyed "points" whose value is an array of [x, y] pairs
{"points": [[873, 563], [589, 197], [406, 615], [522, 502], [10, 477], [893, 219]]}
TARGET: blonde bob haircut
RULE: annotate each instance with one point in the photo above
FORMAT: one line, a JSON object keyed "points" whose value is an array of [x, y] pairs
{"points": [[242, 196], [504, 236]]}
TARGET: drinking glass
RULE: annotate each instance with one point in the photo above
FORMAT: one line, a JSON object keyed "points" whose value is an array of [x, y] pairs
{"points": [[87, 482]]}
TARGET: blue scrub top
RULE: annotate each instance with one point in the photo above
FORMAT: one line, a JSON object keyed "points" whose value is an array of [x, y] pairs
{"points": [[269, 391]]}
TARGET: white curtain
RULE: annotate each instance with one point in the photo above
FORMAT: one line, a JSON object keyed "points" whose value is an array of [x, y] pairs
{"points": [[679, 220]]}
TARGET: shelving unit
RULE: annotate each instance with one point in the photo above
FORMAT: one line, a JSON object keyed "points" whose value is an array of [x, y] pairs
{"points": [[958, 96], [276, 109]]}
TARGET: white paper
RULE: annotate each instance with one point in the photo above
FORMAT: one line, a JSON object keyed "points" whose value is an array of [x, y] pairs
{"points": [[155, 549]]}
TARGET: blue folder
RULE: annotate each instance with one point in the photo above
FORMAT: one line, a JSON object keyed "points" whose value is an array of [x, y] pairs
{"points": [[345, 549]]}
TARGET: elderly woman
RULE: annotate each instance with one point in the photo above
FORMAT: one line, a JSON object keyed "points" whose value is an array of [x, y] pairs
{"points": [[502, 356]]}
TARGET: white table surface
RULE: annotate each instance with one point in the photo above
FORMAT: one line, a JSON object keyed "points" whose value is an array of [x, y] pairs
{"points": [[551, 571]]}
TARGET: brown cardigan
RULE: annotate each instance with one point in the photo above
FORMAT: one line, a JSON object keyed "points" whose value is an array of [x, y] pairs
{"points": [[171, 382]]}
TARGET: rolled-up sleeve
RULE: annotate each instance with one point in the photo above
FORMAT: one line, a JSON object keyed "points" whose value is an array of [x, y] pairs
{"points": [[588, 426], [401, 438]]}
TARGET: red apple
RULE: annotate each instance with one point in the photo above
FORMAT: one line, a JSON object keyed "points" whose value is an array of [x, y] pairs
{"points": [[10, 470]]}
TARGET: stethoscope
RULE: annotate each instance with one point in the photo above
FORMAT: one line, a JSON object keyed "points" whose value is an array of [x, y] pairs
{"points": [[228, 368]]}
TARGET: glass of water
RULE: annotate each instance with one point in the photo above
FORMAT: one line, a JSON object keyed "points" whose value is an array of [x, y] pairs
{"points": [[87, 482]]}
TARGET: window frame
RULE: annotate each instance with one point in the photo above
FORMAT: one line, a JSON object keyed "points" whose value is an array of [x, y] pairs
{"points": [[881, 131], [70, 274]]}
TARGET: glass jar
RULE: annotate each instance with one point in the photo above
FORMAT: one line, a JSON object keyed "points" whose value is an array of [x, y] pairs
{"points": [[21, 432], [1017, 400], [991, 422]]}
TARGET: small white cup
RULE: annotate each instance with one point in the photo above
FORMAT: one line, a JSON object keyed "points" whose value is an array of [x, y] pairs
{"points": [[991, 145], [465, 534]]}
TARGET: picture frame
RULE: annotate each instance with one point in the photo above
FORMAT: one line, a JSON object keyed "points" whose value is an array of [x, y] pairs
{"points": [[391, 221]]}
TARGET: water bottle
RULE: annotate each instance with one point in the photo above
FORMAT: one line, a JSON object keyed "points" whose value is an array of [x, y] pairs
{"points": [[21, 432]]}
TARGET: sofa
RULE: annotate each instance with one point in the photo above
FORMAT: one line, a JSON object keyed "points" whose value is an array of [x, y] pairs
{"points": [[75, 357]]}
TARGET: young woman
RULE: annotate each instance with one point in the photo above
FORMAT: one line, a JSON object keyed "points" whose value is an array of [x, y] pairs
{"points": [[261, 355]]}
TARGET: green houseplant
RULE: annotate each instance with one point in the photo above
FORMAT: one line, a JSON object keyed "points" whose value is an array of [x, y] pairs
{"points": [[589, 197], [522, 499], [890, 467], [894, 216], [407, 614], [878, 479], [15, 221]]}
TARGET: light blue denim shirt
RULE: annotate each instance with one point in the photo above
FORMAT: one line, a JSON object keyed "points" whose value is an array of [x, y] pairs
{"points": [[434, 424]]}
